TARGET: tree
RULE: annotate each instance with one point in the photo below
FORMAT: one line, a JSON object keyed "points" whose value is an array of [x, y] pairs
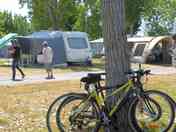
{"points": [[16, 23], [21, 25], [6, 22], [67, 19], [39, 15], [116, 51], [89, 18], [52, 14], [159, 16], [133, 12], [81, 15]]}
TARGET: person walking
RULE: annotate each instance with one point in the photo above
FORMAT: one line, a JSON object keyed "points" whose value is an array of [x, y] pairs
{"points": [[48, 58], [15, 52]]}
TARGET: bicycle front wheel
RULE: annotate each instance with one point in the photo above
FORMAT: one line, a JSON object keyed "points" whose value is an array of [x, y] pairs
{"points": [[152, 112], [77, 114]]}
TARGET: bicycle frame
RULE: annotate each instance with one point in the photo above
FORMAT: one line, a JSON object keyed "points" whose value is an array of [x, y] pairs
{"points": [[126, 87], [101, 101]]}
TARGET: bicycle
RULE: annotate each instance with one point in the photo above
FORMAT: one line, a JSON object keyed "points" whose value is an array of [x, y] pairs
{"points": [[92, 106]]}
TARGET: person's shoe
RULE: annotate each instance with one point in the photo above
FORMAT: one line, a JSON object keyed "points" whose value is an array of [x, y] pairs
{"points": [[47, 77], [23, 76], [13, 79], [52, 77]]}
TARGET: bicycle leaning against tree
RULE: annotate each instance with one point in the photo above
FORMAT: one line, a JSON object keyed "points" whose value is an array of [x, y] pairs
{"points": [[89, 111]]}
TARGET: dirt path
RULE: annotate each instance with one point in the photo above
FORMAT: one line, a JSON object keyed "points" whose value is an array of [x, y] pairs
{"points": [[162, 70], [4, 80], [41, 78]]}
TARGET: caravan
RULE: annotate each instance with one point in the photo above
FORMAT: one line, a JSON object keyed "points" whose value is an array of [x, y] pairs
{"points": [[77, 47], [69, 47]]}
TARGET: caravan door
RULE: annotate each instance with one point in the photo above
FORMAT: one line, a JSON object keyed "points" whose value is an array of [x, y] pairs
{"points": [[77, 47]]}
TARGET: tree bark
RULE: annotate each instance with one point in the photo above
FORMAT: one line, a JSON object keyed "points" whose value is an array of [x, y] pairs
{"points": [[116, 52]]}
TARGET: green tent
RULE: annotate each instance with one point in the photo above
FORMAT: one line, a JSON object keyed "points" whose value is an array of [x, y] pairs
{"points": [[6, 39]]}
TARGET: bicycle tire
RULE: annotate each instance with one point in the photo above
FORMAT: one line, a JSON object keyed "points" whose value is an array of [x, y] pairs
{"points": [[133, 121], [67, 103], [54, 106]]}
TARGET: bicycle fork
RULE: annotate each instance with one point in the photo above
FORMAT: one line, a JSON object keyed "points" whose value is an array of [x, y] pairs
{"points": [[146, 106]]}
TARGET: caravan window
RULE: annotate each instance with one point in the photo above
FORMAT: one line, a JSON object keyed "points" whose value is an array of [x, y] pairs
{"points": [[77, 43], [139, 50]]}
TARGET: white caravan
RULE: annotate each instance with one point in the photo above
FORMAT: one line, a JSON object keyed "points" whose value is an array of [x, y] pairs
{"points": [[77, 47]]}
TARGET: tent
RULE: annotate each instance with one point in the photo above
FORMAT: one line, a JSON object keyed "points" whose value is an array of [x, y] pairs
{"points": [[32, 46], [4, 41], [145, 49]]}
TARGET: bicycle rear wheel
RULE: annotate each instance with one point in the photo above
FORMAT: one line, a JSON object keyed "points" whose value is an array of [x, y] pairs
{"points": [[154, 113], [77, 114], [51, 113]]}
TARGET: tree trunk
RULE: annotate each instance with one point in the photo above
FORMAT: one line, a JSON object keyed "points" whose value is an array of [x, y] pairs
{"points": [[116, 51]]}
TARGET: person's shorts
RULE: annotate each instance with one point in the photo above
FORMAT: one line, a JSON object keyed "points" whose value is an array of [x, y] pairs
{"points": [[48, 66]]}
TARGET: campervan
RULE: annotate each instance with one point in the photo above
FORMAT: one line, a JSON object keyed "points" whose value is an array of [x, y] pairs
{"points": [[77, 47]]}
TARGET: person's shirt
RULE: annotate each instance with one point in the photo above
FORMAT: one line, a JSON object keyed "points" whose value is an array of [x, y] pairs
{"points": [[16, 52], [47, 54]]}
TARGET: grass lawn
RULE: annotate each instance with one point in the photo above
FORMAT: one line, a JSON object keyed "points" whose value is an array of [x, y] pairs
{"points": [[23, 108]]}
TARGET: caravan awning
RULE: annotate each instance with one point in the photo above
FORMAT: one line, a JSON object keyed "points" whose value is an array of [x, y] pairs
{"points": [[4, 41]]}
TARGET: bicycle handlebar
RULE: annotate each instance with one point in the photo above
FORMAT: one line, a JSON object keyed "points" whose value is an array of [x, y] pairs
{"points": [[139, 72], [95, 77]]}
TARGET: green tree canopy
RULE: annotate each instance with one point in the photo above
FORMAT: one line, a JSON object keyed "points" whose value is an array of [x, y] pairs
{"points": [[86, 15], [16, 23], [133, 12], [52, 14], [160, 16]]}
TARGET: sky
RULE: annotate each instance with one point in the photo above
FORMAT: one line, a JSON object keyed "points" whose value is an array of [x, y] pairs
{"points": [[12, 6]]}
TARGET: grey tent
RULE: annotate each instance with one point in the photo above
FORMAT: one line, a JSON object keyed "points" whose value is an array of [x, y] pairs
{"points": [[32, 45]]}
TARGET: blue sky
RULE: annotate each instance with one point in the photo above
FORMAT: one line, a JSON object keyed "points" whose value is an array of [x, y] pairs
{"points": [[12, 6]]}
